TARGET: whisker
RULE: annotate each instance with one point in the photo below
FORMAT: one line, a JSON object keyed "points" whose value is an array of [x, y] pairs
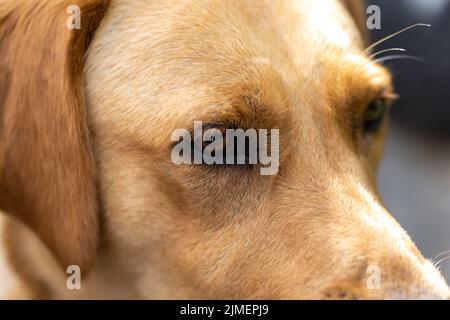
{"points": [[442, 260], [396, 57], [395, 34], [386, 50], [440, 254]]}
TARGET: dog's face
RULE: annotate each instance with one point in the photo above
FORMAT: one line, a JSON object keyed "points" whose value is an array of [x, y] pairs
{"points": [[317, 228]]}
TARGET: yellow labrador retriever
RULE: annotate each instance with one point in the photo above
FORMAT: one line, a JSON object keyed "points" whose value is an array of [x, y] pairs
{"points": [[86, 117]]}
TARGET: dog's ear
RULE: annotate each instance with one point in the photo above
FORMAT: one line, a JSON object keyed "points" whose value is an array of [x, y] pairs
{"points": [[356, 10], [47, 176]]}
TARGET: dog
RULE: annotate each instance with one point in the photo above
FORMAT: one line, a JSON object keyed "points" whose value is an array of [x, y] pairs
{"points": [[87, 182]]}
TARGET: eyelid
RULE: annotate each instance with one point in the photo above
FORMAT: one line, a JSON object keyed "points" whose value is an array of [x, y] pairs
{"points": [[217, 126]]}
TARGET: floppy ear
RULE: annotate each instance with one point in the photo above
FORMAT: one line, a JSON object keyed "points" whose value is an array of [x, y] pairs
{"points": [[357, 11], [47, 176]]}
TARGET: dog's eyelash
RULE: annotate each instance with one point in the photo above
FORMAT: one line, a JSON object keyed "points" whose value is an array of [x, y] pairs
{"points": [[224, 149]]}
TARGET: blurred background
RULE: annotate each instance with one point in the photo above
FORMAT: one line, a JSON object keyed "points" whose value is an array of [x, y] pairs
{"points": [[414, 176]]}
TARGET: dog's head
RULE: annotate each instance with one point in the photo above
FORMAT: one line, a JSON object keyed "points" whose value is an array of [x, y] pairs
{"points": [[86, 118]]}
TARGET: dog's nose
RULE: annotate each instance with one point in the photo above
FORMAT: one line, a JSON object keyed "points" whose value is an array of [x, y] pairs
{"points": [[355, 293], [342, 293]]}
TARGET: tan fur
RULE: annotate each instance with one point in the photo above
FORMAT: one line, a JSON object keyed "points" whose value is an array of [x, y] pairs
{"points": [[171, 231], [47, 169]]}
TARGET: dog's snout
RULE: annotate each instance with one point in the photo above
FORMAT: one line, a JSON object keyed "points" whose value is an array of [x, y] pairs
{"points": [[340, 292], [382, 262], [395, 280]]}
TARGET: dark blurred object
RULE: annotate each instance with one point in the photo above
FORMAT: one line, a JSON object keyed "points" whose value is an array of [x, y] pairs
{"points": [[424, 87]]}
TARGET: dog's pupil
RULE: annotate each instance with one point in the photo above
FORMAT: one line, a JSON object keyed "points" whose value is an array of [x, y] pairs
{"points": [[374, 116]]}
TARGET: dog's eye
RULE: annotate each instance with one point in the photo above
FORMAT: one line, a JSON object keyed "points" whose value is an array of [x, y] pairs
{"points": [[220, 150], [234, 151], [374, 115]]}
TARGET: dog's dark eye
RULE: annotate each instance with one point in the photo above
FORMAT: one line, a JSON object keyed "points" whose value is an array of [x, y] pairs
{"points": [[374, 115], [235, 151], [239, 154]]}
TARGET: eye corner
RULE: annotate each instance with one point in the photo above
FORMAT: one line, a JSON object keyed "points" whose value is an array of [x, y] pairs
{"points": [[376, 111], [389, 96]]}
